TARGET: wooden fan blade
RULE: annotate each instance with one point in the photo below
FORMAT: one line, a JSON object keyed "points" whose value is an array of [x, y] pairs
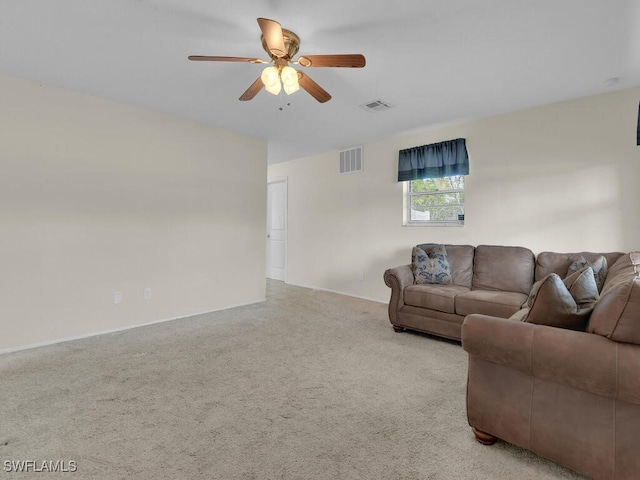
{"points": [[349, 61], [315, 90], [272, 34], [207, 58], [252, 91]]}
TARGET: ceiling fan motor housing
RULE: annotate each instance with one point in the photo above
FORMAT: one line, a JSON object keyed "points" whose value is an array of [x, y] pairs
{"points": [[291, 44]]}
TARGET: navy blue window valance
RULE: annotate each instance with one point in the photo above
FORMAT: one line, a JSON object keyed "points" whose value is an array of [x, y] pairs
{"points": [[443, 159]]}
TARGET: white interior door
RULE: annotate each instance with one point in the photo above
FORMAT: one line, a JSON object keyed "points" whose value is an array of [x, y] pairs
{"points": [[277, 229]]}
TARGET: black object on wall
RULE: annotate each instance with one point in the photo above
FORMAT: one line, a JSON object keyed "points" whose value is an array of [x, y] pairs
{"points": [[638, 140]]}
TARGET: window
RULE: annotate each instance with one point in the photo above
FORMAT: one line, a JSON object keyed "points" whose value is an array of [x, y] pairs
{"points": [[434, 201]]}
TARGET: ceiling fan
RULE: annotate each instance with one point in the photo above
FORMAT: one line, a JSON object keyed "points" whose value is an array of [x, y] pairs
{"points": [[282, 45]]}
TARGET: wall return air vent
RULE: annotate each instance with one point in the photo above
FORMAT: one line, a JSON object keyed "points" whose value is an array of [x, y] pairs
{"points": [[351, 160]]}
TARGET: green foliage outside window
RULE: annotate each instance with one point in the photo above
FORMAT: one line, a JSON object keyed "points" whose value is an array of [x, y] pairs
{"points": [[436, 199]]}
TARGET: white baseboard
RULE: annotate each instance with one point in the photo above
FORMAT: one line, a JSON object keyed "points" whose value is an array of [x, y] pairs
{"points": [[121, 329], [338, 292]]}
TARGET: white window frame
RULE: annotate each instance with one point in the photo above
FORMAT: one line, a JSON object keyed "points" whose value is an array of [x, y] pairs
{"points": [[406, 218]]}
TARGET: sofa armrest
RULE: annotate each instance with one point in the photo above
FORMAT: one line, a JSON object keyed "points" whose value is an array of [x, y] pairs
{"points": [[582, 360], [579, 359], [499, 340], [397, 279]]}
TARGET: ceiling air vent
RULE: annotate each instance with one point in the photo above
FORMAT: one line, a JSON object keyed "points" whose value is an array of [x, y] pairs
{"points": [[375, 106], [351, 160]]}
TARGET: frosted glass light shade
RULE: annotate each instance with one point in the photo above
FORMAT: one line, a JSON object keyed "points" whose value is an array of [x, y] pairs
{"points": [[289, 80], [271, 79]]}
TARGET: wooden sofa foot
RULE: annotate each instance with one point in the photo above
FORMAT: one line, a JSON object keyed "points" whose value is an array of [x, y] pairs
{"points": [[484, 437], [398, 329]]}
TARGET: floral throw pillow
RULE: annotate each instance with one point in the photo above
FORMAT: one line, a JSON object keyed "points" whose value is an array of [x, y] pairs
{"points": [[431, 267], [599, 266]]}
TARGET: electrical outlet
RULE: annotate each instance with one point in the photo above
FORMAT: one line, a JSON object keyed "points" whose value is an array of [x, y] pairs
{"points": [[117, 297], [146, 294], [361, 275]]}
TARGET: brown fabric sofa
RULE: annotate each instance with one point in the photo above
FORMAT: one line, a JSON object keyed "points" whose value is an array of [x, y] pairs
{"points": [[570, 396], [488, 279]]}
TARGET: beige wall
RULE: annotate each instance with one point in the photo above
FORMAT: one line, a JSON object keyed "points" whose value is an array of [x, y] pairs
{"points": [[561, 177], [97, 197]]}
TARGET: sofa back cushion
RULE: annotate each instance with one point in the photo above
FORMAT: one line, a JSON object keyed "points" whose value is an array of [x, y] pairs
{"points": [[617, 313], [460, 261], [559, 263], [508, 269]]}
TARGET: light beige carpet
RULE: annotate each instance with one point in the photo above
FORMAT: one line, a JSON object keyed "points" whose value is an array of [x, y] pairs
{"points": [[308, 385]]}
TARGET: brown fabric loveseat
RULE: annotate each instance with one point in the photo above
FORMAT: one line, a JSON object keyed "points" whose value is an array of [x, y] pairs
{"points": [[570, 396]]}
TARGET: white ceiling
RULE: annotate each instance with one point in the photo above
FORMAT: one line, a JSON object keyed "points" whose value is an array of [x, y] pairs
{"points": [[435, 61]]}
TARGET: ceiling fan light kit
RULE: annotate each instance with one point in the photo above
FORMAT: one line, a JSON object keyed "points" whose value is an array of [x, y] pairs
{"points": [[289, 80], [276, 77], [282, 45], [271, 79]]}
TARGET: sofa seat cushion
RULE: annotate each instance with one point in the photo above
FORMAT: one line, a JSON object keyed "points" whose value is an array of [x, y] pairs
{"points": [[490, 302], [434, 297]]}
